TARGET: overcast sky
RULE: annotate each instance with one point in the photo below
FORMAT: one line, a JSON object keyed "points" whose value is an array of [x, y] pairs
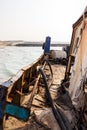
{"points": [[33, 20]]}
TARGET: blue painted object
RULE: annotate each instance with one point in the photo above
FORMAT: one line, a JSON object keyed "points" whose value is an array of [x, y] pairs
{"points": [[2, 105], [47, 45], [17, 112], [2, 100]]}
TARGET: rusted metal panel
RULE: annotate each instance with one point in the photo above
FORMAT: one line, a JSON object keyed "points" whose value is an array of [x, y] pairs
{"points": [[78, 28], [79, 70]]}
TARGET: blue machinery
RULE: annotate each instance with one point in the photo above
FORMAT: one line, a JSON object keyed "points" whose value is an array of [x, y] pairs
{"points": [[46, 45]]}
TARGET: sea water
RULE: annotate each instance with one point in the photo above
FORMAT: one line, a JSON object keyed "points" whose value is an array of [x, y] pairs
{"points": [[13, 58]]}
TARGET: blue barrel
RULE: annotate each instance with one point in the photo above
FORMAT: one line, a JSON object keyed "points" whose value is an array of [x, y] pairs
{"points": [[47, 45]]}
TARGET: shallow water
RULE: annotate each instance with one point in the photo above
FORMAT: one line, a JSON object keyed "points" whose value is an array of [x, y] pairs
{"points": [[13, 58]]}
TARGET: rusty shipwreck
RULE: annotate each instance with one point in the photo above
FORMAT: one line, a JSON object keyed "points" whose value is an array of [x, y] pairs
{"points": [[38, 98]]}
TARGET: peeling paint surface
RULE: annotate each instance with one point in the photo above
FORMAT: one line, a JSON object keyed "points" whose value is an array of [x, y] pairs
{"points": [[79, 71]]}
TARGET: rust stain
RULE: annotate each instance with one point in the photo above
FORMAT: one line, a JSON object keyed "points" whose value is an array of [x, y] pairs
{"points": [[80, 62]]}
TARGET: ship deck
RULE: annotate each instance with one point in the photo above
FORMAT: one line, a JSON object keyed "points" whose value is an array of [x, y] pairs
{"points": [[41, 115]]}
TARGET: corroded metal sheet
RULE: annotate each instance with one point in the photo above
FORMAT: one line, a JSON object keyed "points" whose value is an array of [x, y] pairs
{"points": [[79, 70]]}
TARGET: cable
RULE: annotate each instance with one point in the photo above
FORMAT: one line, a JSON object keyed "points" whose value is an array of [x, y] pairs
{"points": [[56, 112]]}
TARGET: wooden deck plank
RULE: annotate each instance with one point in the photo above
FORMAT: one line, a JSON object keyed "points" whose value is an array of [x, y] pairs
{"points": [[15, 124]]}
